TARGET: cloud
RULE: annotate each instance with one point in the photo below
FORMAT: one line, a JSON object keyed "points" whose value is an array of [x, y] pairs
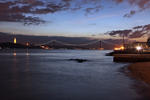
{"points": [[137, 27], [135, 32], [11, 12], [17, 10], [120, 33], [146, 27], [141, 4], [118, 1], [92, 24], [132, 12]]}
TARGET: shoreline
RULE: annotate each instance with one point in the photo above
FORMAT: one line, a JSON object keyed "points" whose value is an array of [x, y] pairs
{"points": [[140, 71]]}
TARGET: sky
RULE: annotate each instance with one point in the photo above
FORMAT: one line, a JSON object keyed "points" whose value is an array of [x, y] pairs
{"points": [[73, 18]]}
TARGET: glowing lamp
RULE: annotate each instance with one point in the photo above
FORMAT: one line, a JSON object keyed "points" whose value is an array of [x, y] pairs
{"points": [[116, 48], [138, 48], [122, 48]]}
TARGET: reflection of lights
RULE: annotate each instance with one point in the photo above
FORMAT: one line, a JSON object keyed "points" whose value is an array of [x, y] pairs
{"points": [[27, 54], [138, 48], [14, 54], [27, 44], [46, 48], [42, 47]]}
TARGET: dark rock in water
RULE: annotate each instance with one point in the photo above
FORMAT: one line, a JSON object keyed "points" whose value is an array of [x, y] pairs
{"points": [[78, 60], [109, 54]]}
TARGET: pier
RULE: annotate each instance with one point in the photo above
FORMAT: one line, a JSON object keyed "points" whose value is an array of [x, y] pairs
{"points": [[131, 57]]}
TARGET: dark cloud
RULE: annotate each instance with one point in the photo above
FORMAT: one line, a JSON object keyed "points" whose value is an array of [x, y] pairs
{"points": [[120, 33], [146, 28], [93, 9], [92, 24], [17, 10], [137, 27], [132, 12], [142, 5], [135, 32], [118, 1], [11, 11]]}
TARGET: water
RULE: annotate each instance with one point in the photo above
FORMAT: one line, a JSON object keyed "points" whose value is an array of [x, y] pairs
{"points": [[49, 75]]}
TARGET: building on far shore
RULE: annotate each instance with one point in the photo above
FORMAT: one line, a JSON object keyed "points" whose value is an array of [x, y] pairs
{"points": [[135, 44], [135, 47], [140, 46]]}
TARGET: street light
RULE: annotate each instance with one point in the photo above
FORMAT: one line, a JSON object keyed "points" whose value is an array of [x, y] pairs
{"points": [[138, 48]]}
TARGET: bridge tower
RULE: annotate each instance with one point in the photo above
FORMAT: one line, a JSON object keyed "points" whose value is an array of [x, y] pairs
{"points": [[100, 45]]}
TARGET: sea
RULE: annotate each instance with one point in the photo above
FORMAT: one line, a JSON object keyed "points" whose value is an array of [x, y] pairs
{"points": [[35, 74]]}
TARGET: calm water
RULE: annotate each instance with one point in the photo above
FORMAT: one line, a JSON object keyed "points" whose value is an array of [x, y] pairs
{"points": [[49, 75]]}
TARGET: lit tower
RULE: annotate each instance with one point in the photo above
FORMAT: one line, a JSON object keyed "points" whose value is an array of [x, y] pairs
{"points": [[15, 40], [100, 45]]}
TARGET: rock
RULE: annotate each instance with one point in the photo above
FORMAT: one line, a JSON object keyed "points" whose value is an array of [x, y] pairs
{"points": [[78, 60]]}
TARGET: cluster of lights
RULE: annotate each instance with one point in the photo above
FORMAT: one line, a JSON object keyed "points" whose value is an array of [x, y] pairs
{"points": [[138, 48], [120, 48]]}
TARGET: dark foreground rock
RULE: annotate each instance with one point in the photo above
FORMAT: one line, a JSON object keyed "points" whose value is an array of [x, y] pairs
{"points": [[78, 60]]}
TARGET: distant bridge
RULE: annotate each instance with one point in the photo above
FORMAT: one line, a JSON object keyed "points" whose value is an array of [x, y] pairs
{"points": [[60, 43]]}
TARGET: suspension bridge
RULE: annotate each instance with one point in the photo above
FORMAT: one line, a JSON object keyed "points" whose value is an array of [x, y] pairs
{"points": [[97, 44]]}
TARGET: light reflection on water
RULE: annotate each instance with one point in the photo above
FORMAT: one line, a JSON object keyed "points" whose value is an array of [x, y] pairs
{"points": [[49, 75]]}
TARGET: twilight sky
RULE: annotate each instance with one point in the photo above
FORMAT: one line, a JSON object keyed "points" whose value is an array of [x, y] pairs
{"points": [[90, 18]]}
